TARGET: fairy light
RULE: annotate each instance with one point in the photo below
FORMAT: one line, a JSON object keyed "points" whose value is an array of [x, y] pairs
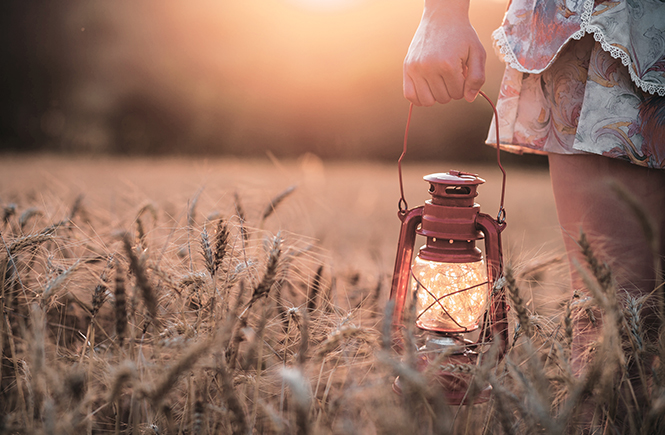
{"points": [[449, 295]]}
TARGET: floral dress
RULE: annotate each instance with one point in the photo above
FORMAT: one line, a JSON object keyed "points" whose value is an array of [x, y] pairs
{"points": [[584, 76]]}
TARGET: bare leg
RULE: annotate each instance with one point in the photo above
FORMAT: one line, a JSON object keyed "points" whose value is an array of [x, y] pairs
{"points": [[585, 201]]}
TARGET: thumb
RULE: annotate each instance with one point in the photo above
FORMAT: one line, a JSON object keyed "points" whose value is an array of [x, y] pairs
{"points": [[409, 89], [475, 77]]}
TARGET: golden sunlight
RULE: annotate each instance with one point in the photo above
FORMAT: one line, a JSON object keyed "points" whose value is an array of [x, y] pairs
{"points": [[326, 5], [292, 76]]}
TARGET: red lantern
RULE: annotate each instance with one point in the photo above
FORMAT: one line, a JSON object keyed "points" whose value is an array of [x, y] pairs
{"points": [[450, 282]]}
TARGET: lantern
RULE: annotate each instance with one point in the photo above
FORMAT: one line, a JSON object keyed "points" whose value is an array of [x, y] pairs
{"points": [[450, 282]]}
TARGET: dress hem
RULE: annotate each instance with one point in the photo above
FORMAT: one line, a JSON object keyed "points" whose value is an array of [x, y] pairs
{"points": [[516, 149]]}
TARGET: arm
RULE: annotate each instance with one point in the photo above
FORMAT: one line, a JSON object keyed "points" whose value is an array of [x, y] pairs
{"points": [[445, 59]]}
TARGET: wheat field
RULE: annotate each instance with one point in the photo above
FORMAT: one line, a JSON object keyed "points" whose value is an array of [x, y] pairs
{"points": [[168, 296]]}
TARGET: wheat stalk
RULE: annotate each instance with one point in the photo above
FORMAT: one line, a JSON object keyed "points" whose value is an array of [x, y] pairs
{"points": [[191, 221], [263, 288], [314, 290], [302, 398], [7, 212], [198, 415], [518, 303], [120, 305], [238, 417], [184, 364], [274, 203], [57, 283], [147, 292], [142, 235], [242, 217], [122, 374], [335, 338], [100, 293], [27, 215], [303, 327]]}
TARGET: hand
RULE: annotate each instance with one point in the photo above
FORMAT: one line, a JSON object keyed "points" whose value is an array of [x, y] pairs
{"points": [[445, 59]]}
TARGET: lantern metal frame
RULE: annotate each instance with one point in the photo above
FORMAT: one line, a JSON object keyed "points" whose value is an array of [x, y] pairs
{"points": [[452, 222]]}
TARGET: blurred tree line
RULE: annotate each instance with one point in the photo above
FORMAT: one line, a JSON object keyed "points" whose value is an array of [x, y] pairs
{"points": [[33, 74], [224, 78]]}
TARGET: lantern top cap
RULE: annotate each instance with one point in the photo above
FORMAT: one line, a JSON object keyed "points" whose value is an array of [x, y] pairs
{"points": [[454, 178]]}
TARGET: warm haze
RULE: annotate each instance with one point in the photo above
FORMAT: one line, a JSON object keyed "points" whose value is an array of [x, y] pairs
{"points": [[289, 76]]}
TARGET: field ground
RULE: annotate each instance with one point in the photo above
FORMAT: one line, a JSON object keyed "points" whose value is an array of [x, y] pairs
{"points": [[208, 296], [347, 208]]}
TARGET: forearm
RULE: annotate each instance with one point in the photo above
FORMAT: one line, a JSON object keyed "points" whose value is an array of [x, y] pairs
{"points": [[449, 8]]}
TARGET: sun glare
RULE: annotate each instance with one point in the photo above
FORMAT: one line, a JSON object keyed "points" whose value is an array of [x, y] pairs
{"points": [[325, 5]]}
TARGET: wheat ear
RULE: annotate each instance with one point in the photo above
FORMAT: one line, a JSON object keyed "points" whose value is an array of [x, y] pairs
{"points": [[518, 303], [242, 217], [120, 305], [221, 243], [263, 288], [314, 290], [147, 292], [274, 203], [27, 215]]}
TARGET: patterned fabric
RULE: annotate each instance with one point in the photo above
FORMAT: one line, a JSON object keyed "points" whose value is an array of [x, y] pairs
{"points": [[567, 96], [584, 102], [534, 32]]}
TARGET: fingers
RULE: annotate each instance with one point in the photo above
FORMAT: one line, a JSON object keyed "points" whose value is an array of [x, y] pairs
{"points": [[410, 90], [452, 77], [425, 93], [417, 94], [427, 85], [475, 75], [439, 88], [425, 89]]}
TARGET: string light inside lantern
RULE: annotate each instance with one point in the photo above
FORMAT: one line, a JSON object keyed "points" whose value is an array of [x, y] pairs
{"points": [[449, 295]]}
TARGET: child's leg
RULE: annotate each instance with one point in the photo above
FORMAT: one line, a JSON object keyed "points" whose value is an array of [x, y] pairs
{"points": [[585, 201]]}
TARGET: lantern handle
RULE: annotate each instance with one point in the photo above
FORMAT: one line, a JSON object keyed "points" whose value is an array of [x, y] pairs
{"points": [[402, 204], [501, 216]]}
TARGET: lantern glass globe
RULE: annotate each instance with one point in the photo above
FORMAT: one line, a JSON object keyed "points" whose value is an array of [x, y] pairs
{"points": [[450, 297]]}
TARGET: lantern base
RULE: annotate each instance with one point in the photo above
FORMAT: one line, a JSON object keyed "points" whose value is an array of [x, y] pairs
{"points": [[457, 386]]}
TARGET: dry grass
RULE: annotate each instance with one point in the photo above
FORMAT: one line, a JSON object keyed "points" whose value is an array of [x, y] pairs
{"points": [[203, 320]]}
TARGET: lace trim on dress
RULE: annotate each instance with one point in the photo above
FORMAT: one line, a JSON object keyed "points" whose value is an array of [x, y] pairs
{"points": [[501, 42]]}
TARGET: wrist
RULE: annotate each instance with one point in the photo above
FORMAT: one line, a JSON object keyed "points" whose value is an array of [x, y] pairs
{"points": [[447, 8]]}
